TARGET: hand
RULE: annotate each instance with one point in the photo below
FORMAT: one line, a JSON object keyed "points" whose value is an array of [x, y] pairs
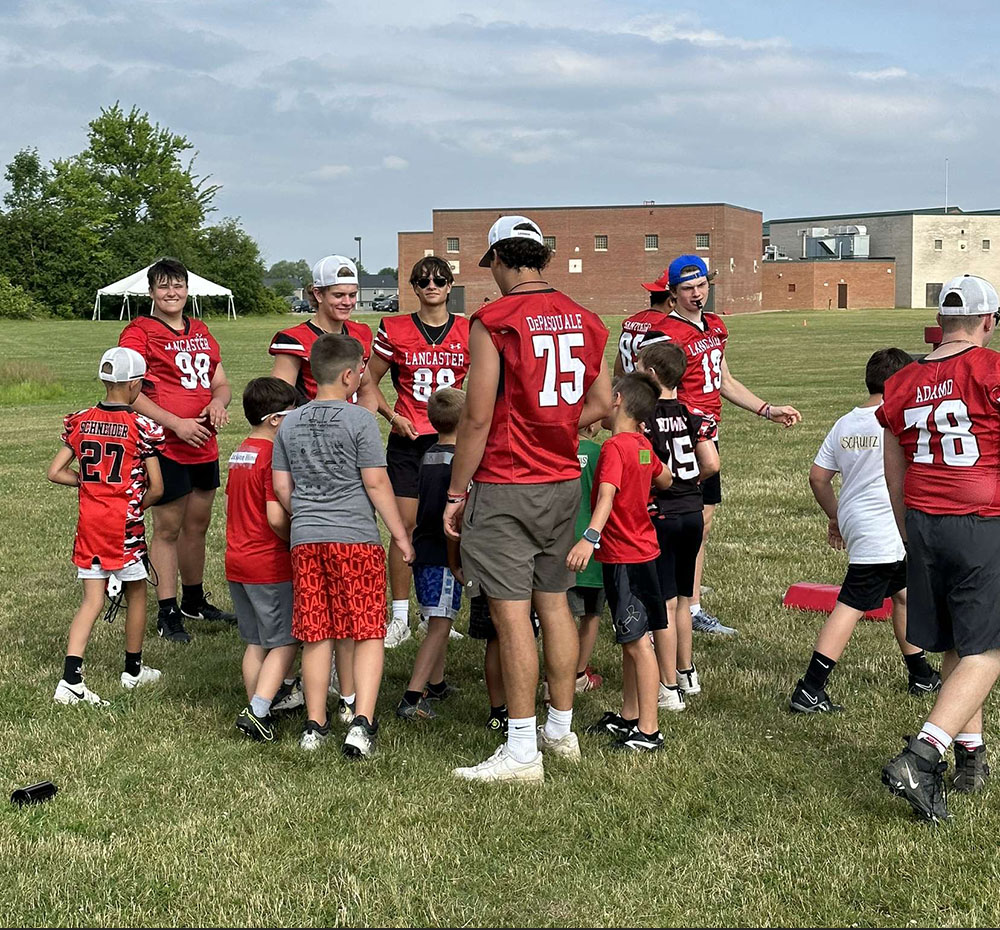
{"points": [[215, 413], [405, 548], [453, 514], [833, 536], [193, 432], [579, 556], [456, 570], [786, 416], [404, 427]]}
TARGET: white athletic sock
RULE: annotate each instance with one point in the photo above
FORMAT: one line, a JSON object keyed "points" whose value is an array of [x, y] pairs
{"points": [[401, 610], [937, 737], [970, 740], [557, 723], [349, 698], [695, 608], [522, 742]]}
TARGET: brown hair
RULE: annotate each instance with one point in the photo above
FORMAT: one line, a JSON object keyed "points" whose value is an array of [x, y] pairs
{"points": [[664, 360], [444, 409], [639, 392], [332, 354]]}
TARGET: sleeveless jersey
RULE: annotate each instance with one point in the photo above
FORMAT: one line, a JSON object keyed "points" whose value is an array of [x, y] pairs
{"points": [[704, 349], [298, 341], [634, 328]]}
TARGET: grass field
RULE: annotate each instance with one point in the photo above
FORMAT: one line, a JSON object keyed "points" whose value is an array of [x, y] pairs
{"points": [[750, 817]]}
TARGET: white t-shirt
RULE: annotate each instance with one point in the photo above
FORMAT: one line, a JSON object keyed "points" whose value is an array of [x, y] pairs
{"points": [[854, 448]]}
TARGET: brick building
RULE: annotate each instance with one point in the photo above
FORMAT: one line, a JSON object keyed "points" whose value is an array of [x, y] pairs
{"points": [[602, 254], [854, 284]]}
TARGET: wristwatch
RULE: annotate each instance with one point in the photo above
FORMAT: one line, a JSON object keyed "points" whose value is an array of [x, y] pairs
{"points": [[593, 537]]}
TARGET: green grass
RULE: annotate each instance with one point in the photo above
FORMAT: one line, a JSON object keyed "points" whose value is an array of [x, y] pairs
{"points": [[750, 817]]}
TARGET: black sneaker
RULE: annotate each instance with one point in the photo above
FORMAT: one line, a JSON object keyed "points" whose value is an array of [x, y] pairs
{"points": [[443, 693], [360, 740], [612, 724], [917, 774], [804, 701], [637, 741], [206, 611], [259, 729], [971, 770], [422, 710], [929, 685], [497, 722], [170, 625]]}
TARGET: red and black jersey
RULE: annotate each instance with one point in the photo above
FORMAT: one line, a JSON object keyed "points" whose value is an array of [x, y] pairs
{"points": [[111, 443], [421, 360], [946, 415], [675, 432], [184, 361], [634, 329], [550, 354], [298, 341], [704, 347]]}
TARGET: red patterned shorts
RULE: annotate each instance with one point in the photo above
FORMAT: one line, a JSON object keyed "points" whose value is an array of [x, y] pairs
{"points": [[339, 591]]}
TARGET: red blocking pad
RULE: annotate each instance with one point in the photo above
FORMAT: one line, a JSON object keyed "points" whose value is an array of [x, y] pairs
{"points": [[822, 597]]}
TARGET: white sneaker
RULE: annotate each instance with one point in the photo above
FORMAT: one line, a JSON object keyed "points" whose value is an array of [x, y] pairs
{"points": [[289, 697], [397, 633], [688, 681], [671, 698], [359, 743], [146, 676], [452, 633], [77, 694], [334, 680], [566, 747], [502, 766], [313, 736], [345, 711]]}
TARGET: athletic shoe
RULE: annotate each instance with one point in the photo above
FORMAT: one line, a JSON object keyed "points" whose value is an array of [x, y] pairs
{"points": [[971, 770], [566, 747], [77, 694], [502, 766], [170, 625], [360, 740], [422, 710], [497, 723], [206, 611], [146, 676], [637, 741], [452, 633], [703, 622], [345, 711], [259, 729], [398, 632], [313, 736], [917, 774], [688, 682], [446, 692], [929, 685], [671, 698], [804, 701], [290, 696], [334, 687], [611, 723], [588, 680]]}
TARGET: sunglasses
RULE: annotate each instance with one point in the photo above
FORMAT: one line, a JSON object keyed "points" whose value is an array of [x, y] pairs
{"points": [[425, 282]]}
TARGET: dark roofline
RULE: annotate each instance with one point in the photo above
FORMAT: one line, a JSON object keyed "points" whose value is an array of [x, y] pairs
{"points": [[415, 232], [622, 206], [929, 211]]}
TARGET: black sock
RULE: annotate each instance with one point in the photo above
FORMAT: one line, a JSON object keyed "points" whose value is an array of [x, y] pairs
{"points": [[193, 595], [685, 671], [818, 672], [73, 670], [917, 665], [631, 723], [133, 662], [436, 689], [411, 697], [581, 674], [650, 736], [500, 711], [167, 604]]}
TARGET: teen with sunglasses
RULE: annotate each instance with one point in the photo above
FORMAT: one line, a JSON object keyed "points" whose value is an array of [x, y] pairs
{"points": [[424, 351]]}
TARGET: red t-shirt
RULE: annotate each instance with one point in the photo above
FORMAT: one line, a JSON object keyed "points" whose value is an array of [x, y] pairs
{"points": [[629, 463], [704, 347], [254, 553], [946, 416], [184, 361], [420, 366], [550, 354], [298, 341], [634, 328], [111, 443]]}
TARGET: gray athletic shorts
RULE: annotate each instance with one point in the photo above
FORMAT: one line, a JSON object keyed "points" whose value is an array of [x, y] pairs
{"points": [[263, 613], [515, 538], [586, 602]]}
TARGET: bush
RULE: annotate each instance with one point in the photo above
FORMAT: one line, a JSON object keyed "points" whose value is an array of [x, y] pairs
{"points": [[15, 304]]}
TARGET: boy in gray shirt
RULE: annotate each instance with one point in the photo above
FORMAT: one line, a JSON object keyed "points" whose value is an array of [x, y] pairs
{"points": [[329, 474]]}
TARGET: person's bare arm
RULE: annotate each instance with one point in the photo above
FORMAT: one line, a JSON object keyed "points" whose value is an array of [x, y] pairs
{"points": [[597, 403], [283, 486], [371, 397], [287, 368], [188, 429], [380, 493], [708, 459], [277, 519], [455, 559], [222, 394], [821, 482], [59, 471], [154, 482], [739, 394], [664, 479], [579, 555], [894, 460]]}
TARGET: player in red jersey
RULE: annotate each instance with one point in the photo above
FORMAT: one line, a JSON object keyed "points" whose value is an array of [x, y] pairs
{"points": [[423, 351], [537, 374], [189, 401], [118, 478], [635, 327], [942, 468], [335, 292], [706, 381]]}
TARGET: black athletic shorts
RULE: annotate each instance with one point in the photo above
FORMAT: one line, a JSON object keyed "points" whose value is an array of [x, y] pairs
{"points": [[402, 459], [953, 582], [866, 587], [679, 536], [634, 597], [179, 479], [481, 623]]}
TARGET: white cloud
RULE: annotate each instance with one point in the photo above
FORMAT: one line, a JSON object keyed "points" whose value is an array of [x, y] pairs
{"points": [[395, 163], [883, 74], [330, 172]]}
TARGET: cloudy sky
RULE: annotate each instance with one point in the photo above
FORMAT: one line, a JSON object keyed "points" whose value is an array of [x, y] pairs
{"points": [[326, 120]]}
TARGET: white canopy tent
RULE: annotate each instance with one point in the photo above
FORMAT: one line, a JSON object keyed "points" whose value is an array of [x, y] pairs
{"points": [[137, 285]]}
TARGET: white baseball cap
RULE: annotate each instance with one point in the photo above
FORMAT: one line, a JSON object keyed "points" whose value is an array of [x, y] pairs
{"points": [[511, 227], [978, 297], [126, 365], [326, 272]]}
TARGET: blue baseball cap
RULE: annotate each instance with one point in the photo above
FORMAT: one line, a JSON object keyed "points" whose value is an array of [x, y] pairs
{"points": [[674, 275]]}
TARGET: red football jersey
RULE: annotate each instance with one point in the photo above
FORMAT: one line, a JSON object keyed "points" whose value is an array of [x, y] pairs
{"points": [[111, 443], [704, 347], [298, 341], [185, 363], [418, 366], [254, 553], [946, 416], [629, 462], [550, 354], [633, 330]]}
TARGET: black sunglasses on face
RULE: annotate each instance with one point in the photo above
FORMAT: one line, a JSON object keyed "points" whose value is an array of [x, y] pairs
{"points": [[425, 282]]}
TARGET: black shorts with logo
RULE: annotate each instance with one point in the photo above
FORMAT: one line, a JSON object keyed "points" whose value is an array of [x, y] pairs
{"points": [[179, 479], [402, 459], [866, 587], [634, 597], [679, 536]]}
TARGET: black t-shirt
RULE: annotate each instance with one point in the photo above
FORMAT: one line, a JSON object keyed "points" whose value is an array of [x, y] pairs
{"points": [[675, 432], [429, 545]]}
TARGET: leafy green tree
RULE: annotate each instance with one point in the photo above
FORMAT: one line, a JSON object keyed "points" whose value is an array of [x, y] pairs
{"points": [[389, 270], [229, 256]]}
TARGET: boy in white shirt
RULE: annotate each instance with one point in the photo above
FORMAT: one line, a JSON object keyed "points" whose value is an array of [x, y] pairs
{"points": [[862, 522]]}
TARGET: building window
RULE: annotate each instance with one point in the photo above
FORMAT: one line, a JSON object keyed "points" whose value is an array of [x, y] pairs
{"points": [[791, 288], [600, 243], [986, 245], [702, 241], [452, 244], [550, 242], [652, 243], [576, 266], [938, 245], [428, 253], [455, 267]]}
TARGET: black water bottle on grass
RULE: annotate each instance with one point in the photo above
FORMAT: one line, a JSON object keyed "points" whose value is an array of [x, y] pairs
{"points": [[34, 794]]}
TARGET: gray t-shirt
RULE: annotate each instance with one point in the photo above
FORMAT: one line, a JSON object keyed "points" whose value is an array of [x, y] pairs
{"points": [[324, 445]]}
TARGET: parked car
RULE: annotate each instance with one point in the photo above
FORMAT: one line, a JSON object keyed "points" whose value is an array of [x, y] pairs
{"points": [[385, 304], [301, 306]]}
